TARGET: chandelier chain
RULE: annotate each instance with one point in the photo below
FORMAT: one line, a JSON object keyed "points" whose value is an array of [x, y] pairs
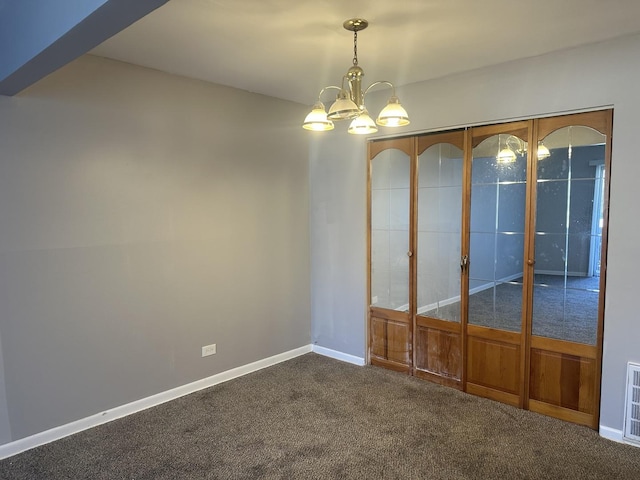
{"points": [[355, 48]]}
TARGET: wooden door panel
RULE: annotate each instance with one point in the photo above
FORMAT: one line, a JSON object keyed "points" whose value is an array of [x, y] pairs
{"points": [[378, 337], [566, 414], [438, 355], [587, 386], [390, 340], [493, 364], [563, 380], [398, 342]]}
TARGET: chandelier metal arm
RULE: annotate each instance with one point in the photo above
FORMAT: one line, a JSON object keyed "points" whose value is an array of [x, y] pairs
{"points": [[381, 82], [334, 87], [329, 87], [345, 77]]}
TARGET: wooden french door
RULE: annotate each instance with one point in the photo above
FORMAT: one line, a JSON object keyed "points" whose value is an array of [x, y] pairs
{"points": [[567, 258], [438, 240], [487, 253], [390, 214], [499, 224]]}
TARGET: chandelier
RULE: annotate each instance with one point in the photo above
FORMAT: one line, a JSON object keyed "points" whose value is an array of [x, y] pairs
{"points": [[349, 104]]}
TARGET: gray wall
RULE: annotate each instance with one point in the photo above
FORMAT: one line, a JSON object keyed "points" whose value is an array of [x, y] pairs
{"points": [[338, 230], [583, 78], [143, 216]]}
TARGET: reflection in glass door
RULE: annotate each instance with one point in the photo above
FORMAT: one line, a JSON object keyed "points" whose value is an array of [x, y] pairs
{"points": [[498, 194], [565, 294]]}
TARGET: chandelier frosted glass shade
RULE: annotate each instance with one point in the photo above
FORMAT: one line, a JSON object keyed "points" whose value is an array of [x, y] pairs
{"points": [[343, 108], [393, 115], [362, 124], [317, 120]]}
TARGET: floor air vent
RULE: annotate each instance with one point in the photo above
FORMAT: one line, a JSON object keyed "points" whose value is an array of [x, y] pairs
{"points": [[632, 404]]}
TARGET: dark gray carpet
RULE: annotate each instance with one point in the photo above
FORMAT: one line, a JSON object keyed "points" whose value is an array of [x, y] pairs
{"points": [[318, 418]]}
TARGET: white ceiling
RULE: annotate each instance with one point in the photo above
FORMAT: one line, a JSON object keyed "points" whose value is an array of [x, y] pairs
{"points": [[290, 49]]}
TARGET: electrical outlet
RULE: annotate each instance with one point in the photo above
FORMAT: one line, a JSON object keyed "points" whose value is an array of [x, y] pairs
{"points": [[209, 350], [374, 300]]}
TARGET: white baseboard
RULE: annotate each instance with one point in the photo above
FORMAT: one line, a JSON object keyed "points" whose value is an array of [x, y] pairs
{"points": [[18, 446], [616, 436], [345, 357], [611, 434]]}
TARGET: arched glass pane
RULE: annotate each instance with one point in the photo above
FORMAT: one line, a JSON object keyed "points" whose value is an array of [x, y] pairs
{"points": [[439, 220], [496, 249], [568, 237], [390, 195]]}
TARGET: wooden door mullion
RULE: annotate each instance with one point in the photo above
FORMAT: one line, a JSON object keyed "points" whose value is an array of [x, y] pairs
{"points": [[464, 250], [529, 260], [413, 249]]}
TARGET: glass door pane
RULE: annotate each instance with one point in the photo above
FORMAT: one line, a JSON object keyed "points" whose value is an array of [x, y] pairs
{"points": [[496, 248], [568, 236], [390, 197], [439, 221]]}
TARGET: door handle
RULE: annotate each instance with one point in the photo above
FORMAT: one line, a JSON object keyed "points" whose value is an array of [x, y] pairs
{"points": [[464, 263]]}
